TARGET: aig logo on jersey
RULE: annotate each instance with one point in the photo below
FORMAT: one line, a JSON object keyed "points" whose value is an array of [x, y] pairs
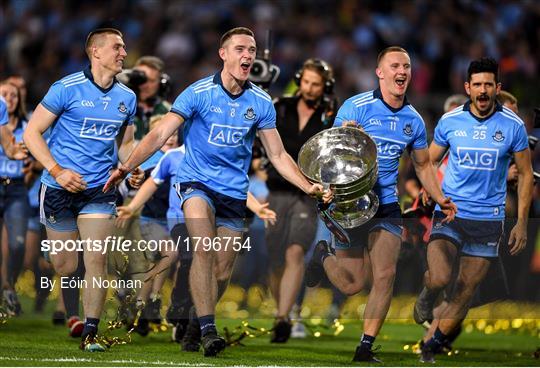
{"points": [[478, 158], [100, 129], [226, 135], [389, 148]]}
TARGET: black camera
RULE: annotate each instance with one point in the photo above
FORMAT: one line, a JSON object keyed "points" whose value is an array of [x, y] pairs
{"points": [[132, 78], [263, 73]]}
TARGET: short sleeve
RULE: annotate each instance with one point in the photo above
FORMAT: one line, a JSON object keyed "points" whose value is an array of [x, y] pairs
{"points": [[160, 173], [132, 111], [268, 119], [420, 138], [440, 135], [348, 111], [185, 104], [520, 140], [55, 99]]}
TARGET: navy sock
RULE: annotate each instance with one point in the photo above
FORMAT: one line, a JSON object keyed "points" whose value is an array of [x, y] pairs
{"points": [[436, 341], [90, 327], [325, 254], [208, 324], [367, 341], [71, 299]]}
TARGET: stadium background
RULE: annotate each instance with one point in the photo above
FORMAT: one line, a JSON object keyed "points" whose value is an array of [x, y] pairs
{"points": [[43, 41]]}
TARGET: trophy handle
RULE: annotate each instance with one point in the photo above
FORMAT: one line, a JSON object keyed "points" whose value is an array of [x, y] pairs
{"points": [[335, 228]]}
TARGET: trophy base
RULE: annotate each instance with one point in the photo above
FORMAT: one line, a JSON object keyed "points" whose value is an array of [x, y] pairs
{"points": [[355, 213]]}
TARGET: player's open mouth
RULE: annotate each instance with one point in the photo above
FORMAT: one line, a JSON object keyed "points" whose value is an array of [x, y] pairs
{"points": [[482, 98], [401, 81], [245, 66]]}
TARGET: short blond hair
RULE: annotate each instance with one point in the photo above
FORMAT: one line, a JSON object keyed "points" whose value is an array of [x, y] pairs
{"points": [[389, 50], [95, 35], [506, 97]]}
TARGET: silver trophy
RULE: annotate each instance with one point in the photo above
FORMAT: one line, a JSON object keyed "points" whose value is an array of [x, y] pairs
{"points": [[344, 158]]}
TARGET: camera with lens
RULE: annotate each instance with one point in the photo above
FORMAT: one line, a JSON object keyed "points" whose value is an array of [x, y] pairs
{"points": [[263, 73], [132, 78]]}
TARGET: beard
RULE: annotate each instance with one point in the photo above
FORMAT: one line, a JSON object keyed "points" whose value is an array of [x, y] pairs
{"points": [[312, 103]]}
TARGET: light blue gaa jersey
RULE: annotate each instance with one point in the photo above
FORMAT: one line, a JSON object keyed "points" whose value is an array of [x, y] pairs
{"points": [[88, 121], [219, 132], [152, 161], [13, 168], [393, 130], [167, 168], [4, 117], [480, 151]]}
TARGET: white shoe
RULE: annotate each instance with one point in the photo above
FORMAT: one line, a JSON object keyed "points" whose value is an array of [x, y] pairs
{"points": [[298, 331]]}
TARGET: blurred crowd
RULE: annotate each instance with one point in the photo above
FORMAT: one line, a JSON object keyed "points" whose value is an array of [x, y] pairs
{"points": [[41, 40]]}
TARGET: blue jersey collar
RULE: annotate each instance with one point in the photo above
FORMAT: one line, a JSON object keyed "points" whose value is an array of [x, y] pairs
{"points": [[88, 74], [217, 80], [378, 94], [467, 107]]}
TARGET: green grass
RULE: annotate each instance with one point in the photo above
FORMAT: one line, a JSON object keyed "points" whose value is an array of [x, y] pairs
{"points": [[32, 340]]}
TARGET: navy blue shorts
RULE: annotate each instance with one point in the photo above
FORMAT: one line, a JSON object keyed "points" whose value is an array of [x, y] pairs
{"points": [[59, 209], [229, 212], [388, 217], [472, 237]]}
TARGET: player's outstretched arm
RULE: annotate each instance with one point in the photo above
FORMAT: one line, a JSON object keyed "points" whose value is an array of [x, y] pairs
{"points": [[153, 141], [143, 195], [261, 209], [287, 168], [518, 236], [426, 173], [40, 121]]}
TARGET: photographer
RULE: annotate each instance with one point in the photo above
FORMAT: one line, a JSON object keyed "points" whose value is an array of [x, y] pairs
{"points": [[151, 85], [299, 117]]}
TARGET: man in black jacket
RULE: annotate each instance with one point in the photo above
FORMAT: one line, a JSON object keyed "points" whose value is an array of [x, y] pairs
{"points": [[299, 117]]}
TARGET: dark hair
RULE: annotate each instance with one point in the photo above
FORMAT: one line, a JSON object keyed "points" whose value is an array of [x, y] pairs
{"points": [[20, 109], [320, 66], [152, 62], [91, 38], [235, 31], [483, 65], [389, 50]]}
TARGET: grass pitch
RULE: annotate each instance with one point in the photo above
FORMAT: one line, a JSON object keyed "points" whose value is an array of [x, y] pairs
{"points": [[32, 340]]}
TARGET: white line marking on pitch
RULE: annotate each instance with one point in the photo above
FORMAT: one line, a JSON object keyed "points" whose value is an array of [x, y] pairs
{"points": [[116, 361]]}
